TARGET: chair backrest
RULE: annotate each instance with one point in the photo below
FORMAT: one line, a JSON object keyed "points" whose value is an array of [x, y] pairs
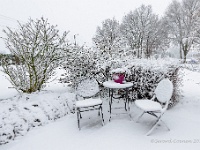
{"points": [[164, 90], [87, 87]]}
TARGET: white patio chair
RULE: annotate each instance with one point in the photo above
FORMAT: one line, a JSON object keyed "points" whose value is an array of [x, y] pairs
{"points": [[163, 93], [87, 98]]}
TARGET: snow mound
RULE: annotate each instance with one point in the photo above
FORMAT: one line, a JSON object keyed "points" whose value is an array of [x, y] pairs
{"points": [[25, 112]]}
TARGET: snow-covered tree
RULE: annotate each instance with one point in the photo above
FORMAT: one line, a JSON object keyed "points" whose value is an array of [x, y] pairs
{"points": [[183, 20], [79, 62], [142, 31], [162, 41], [108, 39], [37, 47]]}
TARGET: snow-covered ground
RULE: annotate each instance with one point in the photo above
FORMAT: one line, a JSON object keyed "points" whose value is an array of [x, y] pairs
{"points": [[5, 87], [122, 132]]}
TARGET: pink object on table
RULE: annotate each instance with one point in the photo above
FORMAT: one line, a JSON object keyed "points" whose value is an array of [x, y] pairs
{"points": [[119, 78]]}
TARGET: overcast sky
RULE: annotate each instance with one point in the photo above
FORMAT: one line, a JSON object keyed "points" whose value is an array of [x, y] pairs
{"points": [[77, 16]]}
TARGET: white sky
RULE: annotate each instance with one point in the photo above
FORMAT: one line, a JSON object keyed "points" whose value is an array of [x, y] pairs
{"points": [[77, 16]]}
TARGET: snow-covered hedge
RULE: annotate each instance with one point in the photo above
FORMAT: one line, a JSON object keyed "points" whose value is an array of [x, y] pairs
{"points": [[145, 80], [145, 74], [21, 114]]}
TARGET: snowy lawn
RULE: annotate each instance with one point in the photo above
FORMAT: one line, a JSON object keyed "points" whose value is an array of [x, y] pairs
{"points": [[122, 132]]}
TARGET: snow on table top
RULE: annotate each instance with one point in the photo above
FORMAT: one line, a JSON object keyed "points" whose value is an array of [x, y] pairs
{"points": [[114, 85]]}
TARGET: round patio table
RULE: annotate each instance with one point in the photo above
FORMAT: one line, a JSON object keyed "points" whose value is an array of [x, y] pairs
{"points": [[111, 85]]}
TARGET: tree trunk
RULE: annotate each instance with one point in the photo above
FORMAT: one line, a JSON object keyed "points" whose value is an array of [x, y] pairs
{"points": [[184, 59], [180, 50], [185, 51]]}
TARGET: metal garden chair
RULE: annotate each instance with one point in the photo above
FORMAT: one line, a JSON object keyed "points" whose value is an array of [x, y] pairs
{"points": [[163, 93], [88, 98]]}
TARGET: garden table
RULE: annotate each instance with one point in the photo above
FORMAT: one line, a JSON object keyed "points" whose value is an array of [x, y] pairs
{"points": [[111, 85]]}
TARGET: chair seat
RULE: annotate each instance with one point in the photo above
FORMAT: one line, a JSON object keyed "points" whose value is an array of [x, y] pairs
{"points": [[148, 105], [88, 102]]}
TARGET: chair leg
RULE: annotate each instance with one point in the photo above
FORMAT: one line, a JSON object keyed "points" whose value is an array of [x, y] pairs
{"points": [[99, 112], [165, 125], [151, 113], [156, 123], [110, 102], [125, 105], [154, 126], [78, 118], [140, 116], [80, 115], [110, 107], [100, 108]]}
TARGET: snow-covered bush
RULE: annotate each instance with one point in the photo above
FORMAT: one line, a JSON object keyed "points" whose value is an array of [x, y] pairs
{"points": [[18, 117], [37, 49], [80, 62]]}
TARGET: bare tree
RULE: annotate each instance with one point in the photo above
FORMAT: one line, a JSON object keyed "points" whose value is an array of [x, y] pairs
{"points": [[183, 21], [191, 20], [130, 32], [108, 39], [142, 31], [37, 46], [174, 18]]}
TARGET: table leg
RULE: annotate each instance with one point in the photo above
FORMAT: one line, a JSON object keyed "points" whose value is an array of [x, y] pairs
{"points": [[127, 107], [127, 102], [110, 101]]}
